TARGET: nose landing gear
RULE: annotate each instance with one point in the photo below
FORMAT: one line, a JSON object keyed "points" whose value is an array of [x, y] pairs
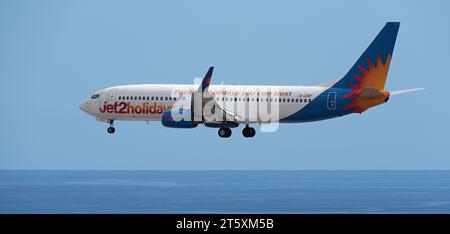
{"points": [[111, 128]]}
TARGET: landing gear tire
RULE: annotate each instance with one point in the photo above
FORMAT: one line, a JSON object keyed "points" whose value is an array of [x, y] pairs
{"points": [[253, 132], [224, 132], [111, 130], [248, 132]]}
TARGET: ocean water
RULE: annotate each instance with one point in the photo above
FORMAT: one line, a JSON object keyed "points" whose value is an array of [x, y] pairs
{"points": [[224, 192]]}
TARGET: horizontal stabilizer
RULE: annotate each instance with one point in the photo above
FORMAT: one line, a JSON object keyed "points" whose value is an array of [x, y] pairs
{"points": [[370, 93], [405, 91]]}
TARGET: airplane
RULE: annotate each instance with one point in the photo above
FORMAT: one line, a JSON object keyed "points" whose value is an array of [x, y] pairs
{"points": [[228, 106]]}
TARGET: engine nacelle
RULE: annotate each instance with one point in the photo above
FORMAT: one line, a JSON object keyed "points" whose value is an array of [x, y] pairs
{"points": [[178, 118]]}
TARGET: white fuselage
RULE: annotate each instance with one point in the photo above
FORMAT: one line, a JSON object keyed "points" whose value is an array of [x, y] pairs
{"points": [[228, 106], [147, 102]]}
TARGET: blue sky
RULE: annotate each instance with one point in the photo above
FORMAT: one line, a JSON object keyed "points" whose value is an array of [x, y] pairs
{"points": [[54, 54]]}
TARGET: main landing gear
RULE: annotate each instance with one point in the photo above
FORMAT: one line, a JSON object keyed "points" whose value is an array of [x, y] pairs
{"points": [[224, 132], [248, 131], [111, 128]]}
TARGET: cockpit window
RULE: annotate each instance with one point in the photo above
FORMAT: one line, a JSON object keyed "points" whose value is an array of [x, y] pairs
{"points": [[95, 96]]}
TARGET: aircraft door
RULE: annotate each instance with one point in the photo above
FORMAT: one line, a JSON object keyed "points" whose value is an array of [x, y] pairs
{"points": [[331, 101], [111, 95]]}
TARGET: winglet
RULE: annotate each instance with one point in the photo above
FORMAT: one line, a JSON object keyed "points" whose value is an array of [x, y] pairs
{"points": [[207, 79]]}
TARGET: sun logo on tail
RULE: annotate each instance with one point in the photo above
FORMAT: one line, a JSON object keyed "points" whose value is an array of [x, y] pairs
{"points": [[374, 77]]}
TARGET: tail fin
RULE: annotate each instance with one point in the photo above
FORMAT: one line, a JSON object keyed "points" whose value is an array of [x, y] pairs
{"points": [[371, 69]]}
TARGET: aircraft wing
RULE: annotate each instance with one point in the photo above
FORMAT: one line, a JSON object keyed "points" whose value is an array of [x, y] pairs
{"points": [[210, 101], [230, 115]]}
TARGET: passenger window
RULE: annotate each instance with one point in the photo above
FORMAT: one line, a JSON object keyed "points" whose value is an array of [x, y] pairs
{"points": [[167, 98], [161, 98], [95, 96], [153, 98], [119, 97], [235, 99], [174, 98], [309, 100], [156, 98], [288, 100]]}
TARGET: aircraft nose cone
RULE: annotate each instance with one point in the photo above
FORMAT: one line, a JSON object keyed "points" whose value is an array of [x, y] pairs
{"points": [[84, 106]]}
